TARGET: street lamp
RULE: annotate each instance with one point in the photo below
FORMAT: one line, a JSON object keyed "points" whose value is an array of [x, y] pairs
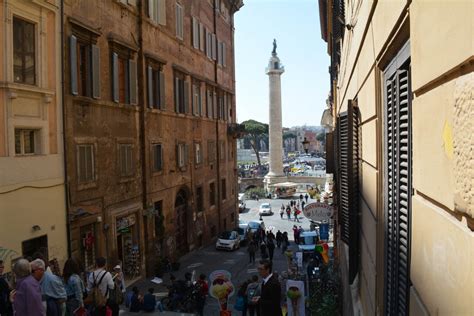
{"points": [[305, 145]]}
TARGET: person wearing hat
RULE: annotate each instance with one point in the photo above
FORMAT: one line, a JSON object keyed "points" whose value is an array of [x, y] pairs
{"points": [[118, 293]]}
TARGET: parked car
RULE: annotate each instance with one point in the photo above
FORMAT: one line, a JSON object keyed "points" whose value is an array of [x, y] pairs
{"points": [[242, 230], [307, 242], [253, 226], [265, 209], [228, 240]]}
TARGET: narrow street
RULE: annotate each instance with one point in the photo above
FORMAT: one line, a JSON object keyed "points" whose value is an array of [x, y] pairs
{"points": [[208, 259]]}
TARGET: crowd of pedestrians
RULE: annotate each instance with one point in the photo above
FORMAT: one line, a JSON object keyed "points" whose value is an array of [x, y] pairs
{"points": [[39, 289], [265, 241], [294, 208]]}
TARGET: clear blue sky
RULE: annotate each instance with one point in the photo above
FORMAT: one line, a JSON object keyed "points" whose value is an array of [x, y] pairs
{"points": [[305, 83]]}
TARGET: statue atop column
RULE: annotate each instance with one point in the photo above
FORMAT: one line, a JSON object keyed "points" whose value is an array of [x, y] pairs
{"points": [[274, 51]]}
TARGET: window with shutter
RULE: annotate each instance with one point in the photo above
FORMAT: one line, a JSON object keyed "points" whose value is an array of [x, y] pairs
{"points": [[115, 78], [157, 153], [214, 46], [202, 37], [398, 183], [196, 99], [85, 163], [126, 160], [24, 55], [132, 82], [219, 53], [181, 93], [179, 21], [224, 54], [197, 153], [95, 71], [195, 32], [182, 156], [155, 85], [348, 185]]}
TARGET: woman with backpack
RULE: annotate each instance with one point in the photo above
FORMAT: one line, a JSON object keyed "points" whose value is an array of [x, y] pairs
{"points": [[74, 287]]}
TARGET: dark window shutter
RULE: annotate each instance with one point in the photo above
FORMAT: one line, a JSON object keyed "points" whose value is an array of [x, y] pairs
{"points": [[214, 46], [176, 94], [162, 91], [202, 37], [132, 81], [224, 54], [115, 78], [330, 153], [348, 185], [73, 63], [398, 187], [149, 72], [95, 71], [186, 97]]}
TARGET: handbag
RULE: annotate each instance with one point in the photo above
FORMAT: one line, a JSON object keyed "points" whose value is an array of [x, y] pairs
{"points": [[81, 311], [108, 311], [239, 304]]}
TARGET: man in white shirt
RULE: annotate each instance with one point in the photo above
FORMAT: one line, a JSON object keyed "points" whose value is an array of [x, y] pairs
{"points": [[103, 280]]}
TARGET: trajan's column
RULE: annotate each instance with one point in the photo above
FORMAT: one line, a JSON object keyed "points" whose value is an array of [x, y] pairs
{"points": [[274, 71]]}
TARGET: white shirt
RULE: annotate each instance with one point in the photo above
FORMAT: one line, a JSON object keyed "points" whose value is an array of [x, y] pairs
{"points": [[106, 283], [265, 280]]}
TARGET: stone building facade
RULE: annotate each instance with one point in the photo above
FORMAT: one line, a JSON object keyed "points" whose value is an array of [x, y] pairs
{"points": [[401, 96], [32, 192], [150, 109]]}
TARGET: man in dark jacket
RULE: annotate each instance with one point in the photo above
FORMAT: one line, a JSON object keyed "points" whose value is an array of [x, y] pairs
{"points": [[270, 297]]}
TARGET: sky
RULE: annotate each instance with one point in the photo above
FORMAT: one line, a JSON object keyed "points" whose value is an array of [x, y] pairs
{"points": [[305, 82]]}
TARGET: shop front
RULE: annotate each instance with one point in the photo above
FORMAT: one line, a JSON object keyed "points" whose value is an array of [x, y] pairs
{"points": [[128, 249]]}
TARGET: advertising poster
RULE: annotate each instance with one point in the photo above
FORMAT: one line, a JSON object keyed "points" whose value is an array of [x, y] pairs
{"points": [[295, 297], [221, 288]]}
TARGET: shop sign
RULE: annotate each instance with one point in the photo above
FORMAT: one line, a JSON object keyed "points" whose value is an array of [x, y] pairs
{"points": [[318, 211], [124, 223]]}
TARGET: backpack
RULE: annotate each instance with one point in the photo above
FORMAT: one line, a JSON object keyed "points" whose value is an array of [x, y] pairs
{"points": [[252, 291], [239, 304], [95, 297], [116, 296]]}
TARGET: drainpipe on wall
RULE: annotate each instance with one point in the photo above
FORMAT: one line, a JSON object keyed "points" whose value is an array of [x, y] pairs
{"points": [[218, 147], [142, 129], [63, 92]]}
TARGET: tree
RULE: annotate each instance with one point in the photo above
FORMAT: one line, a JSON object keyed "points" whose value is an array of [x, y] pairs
{"points": [[287, 136], [255, 132], [321, 137]]}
